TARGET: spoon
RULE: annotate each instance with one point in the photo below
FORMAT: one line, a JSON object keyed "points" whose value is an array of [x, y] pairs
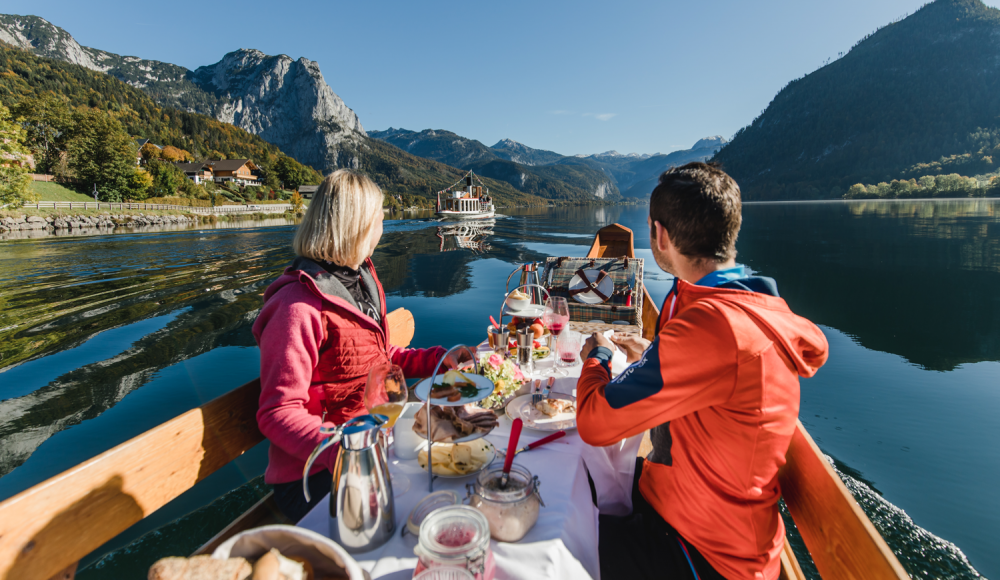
{"points": [[515, 434]]}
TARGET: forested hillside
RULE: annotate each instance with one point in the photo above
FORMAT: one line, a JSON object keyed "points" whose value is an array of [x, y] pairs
{"points": [[580, 183], [24, 75], [920, 96]]}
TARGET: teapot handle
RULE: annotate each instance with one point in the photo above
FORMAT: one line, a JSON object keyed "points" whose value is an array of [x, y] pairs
{"points": [[333, 439]]}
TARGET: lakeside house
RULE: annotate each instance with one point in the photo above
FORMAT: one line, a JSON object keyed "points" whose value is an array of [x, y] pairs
{"points": [[233, 171], [196, 172], [237, 171], [307, 191]]}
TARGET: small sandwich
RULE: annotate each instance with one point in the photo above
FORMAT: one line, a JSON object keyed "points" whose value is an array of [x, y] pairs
{"points": [[553, 407]]}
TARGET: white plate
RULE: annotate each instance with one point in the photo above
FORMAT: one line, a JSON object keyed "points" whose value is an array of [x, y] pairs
{"points": [[492, 450], [606, 286], [485, 386], [529, 311], [534, 419]]}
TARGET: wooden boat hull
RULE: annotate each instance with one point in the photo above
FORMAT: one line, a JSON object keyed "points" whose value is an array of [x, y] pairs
{"points": [[47, 529]]}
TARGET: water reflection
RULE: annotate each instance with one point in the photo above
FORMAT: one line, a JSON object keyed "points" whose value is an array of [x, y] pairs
{"points": [[917, 279], [105, 336], [471, 235]]}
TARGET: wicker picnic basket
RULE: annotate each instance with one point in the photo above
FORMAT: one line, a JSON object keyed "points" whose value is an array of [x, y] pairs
{"points": [[617, 309]]}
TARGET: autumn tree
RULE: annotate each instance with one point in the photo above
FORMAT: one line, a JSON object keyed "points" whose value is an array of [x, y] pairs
{"points": [[175, 154], [149, 151], [14, 178]]}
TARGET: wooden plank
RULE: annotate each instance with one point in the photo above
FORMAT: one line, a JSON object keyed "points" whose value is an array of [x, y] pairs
{"points": [[790, 569], [401, 327], [842, 541], [59, 521]]}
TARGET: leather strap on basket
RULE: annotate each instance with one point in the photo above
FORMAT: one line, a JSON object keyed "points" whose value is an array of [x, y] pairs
{"points": [[590, 286]]}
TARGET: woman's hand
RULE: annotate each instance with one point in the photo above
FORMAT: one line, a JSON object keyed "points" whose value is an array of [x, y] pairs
{"points": [[632, 344]]}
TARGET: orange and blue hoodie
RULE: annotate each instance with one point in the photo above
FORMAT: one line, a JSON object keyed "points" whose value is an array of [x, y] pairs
{"points": [[719, 391]]}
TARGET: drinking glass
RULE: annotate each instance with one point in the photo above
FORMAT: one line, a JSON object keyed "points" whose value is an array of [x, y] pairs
{"points": [[568, 348], [385, 394], [556, 314]]}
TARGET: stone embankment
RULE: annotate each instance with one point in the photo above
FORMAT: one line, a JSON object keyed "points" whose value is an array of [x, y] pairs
{"points": [[79, 222]]}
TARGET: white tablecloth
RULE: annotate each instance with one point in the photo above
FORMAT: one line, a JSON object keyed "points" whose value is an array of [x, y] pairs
{"points": [[563, 544]]}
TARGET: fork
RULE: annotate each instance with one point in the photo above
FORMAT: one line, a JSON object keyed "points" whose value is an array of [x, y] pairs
{"points": [[536, 393]]}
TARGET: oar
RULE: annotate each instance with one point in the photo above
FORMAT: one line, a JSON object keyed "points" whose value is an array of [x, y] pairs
{"points": [[515, 434]]}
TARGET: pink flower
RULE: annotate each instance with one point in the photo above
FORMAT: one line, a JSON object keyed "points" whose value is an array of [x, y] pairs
{"points": [[495, 361], [518, 375]]}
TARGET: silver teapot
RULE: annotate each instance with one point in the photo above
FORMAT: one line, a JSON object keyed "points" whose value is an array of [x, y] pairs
{"points": [[362, 512]]}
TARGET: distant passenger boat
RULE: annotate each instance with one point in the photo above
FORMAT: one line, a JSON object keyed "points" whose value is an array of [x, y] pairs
{"points": [[465, 204]]}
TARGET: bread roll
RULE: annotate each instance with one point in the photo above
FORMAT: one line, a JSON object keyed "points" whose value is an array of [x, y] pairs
{"points": [[200, 568]]}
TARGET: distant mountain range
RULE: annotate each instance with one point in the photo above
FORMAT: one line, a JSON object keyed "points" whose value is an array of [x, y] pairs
{"points": [[289, 104], [547, 173], [920, 96]]}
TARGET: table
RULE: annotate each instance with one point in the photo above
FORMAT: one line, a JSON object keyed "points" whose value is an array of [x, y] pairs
{"points": [[562, 544]]}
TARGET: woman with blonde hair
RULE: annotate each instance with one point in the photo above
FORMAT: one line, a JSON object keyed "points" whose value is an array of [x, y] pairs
{"points": [[321, 329]]}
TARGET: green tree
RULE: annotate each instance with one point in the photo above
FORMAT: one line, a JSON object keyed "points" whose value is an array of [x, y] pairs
{"points": [[46, 120], [14, 178], [102, 154], [166, 177]]}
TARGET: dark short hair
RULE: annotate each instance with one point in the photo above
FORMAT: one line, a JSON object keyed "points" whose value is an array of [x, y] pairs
{"points": [[699, 205]]}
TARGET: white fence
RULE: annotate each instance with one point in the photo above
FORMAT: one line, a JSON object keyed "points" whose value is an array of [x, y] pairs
{"points": [[109, 206]]}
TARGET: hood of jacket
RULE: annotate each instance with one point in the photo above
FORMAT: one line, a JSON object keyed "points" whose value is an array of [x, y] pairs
{"points": [[757, 296], [326, 285]]}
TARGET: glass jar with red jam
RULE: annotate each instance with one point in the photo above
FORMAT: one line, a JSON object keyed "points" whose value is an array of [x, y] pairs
{"points": [[456, 536]]}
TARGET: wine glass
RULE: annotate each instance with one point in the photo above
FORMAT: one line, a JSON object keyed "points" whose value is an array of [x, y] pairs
{"points": [[556, 314], [385, 394]]}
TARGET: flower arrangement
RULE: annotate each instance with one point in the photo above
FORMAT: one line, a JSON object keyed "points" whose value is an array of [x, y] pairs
{"points": [[506, 377]]}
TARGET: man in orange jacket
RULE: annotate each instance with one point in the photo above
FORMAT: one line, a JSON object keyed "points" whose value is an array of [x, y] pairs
{"points": [[719, 390]]}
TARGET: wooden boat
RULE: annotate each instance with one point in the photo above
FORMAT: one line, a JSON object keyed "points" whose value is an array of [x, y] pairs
{"points": [[47, 529]]}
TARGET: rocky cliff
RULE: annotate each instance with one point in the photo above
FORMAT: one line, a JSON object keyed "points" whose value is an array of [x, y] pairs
{"points": [[286, 102]]}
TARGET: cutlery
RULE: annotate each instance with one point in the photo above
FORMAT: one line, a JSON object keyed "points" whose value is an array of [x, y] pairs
{"points": [[540, 442], [515, 434], [536, 393]]}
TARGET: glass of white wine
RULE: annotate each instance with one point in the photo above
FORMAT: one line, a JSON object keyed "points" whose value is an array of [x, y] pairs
{"points": [[385, 394]]}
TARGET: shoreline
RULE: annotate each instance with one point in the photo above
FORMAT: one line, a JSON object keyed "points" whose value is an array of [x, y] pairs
{"points": [[59, 223]]}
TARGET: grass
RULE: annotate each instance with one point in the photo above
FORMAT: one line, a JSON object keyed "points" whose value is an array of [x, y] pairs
{"points": [[52, 191]]}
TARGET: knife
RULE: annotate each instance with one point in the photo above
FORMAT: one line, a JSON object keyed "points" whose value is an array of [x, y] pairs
{"points": [[631, 285], [540, 442]]}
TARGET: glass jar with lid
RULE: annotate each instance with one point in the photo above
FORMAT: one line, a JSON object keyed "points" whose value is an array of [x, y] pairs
{"points": [[511, 510], [456, 536]]}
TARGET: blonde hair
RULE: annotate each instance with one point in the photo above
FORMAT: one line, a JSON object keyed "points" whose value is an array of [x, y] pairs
{"points": [[339, 219]]}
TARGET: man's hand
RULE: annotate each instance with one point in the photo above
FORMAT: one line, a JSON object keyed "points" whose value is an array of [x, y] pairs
{"points": [[633, 345], [595, 340]]}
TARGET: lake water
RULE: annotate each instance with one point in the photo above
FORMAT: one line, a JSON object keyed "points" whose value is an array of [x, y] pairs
{"points": [[104, 337]]}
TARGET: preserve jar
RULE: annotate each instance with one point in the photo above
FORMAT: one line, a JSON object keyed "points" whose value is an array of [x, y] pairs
{"points": [[512, 510], [456, 536]]}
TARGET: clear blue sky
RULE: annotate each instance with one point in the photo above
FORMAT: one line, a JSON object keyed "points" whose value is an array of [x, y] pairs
{"points": [[572, 77]]}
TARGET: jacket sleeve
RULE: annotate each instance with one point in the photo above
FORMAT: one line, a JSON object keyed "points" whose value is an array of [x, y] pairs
{"points": [[690, 365], [290, 334], [417, 363]]}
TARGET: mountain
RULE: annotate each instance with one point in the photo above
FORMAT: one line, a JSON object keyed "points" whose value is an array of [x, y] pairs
{"points": [[645, 173], [547, 181], [275, 101], [287, 102], [518, 153], [24, 75], [916, 97], [442, 146]]}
